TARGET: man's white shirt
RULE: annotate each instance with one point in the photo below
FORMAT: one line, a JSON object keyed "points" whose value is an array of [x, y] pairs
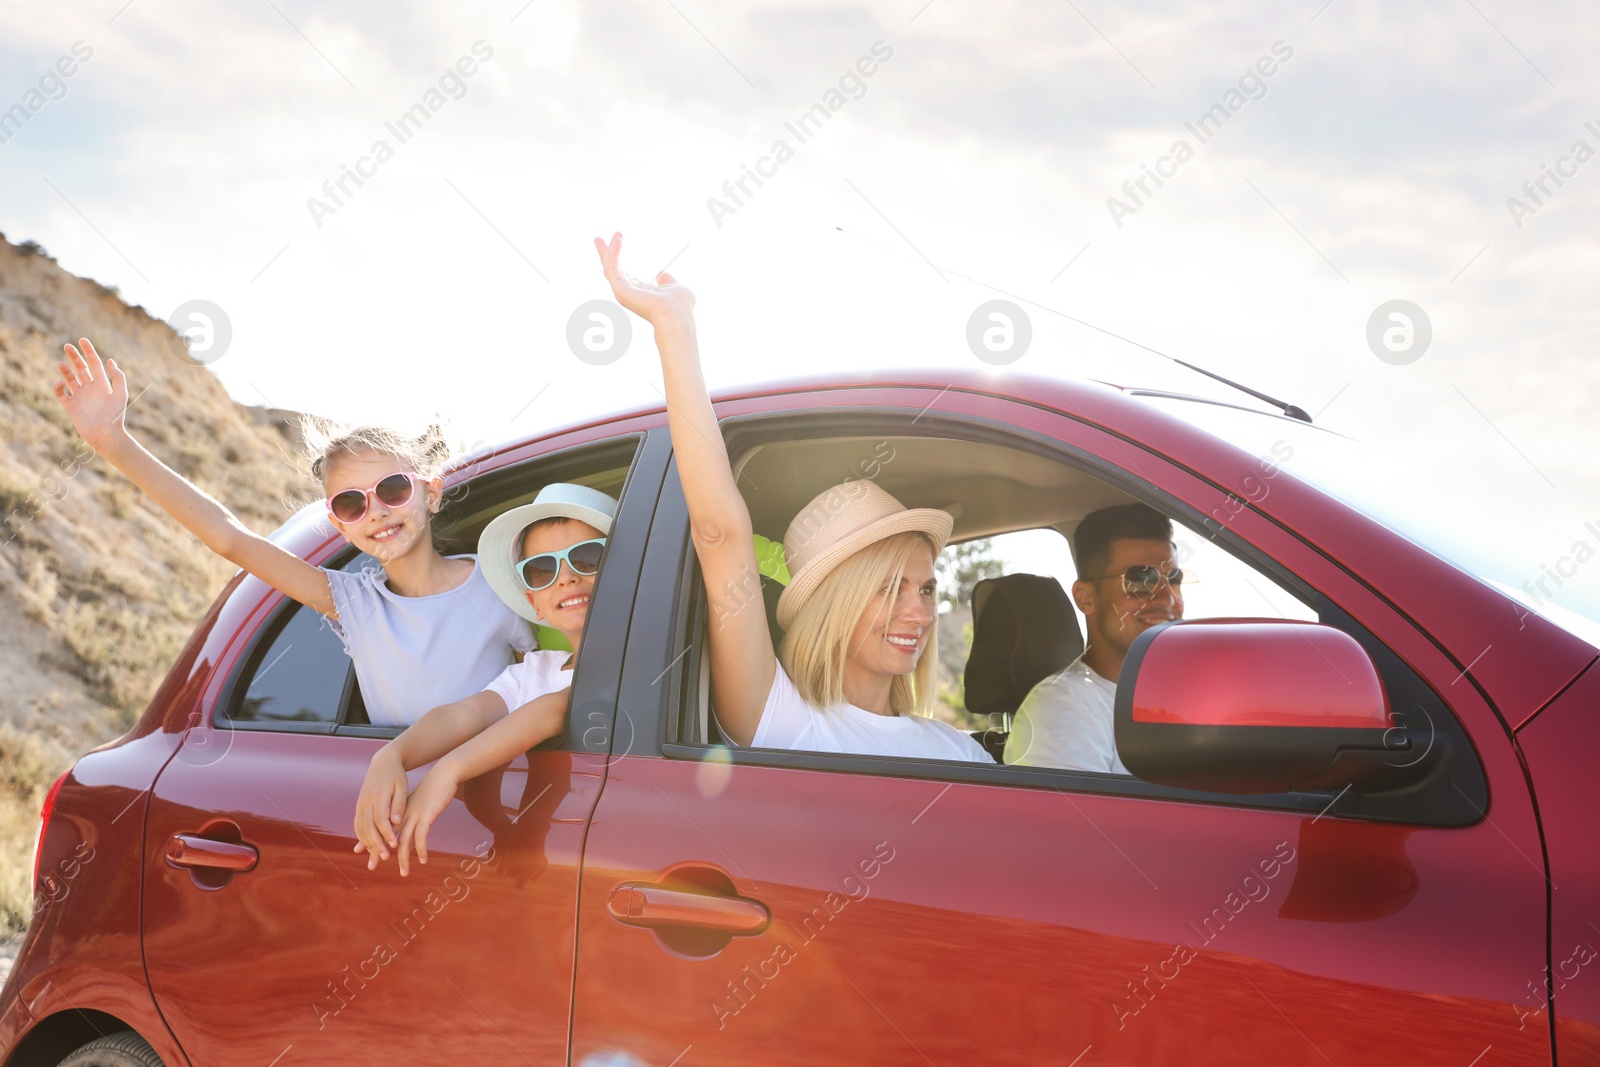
{"points": [[1067, 721]]}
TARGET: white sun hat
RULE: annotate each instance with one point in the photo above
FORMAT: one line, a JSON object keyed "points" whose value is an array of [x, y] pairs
{"points": [[500, 546], [838, 523]]}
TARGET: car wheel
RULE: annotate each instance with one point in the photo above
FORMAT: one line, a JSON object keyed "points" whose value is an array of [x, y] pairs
{"points": [[126, 1049]]}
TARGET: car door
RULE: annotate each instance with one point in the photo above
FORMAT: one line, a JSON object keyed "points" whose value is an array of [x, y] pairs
{"points": [[266, 938], [776, 907]]}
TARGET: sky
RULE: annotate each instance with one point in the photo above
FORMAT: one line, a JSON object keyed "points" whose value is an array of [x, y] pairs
{"points": [[1357, 154]]}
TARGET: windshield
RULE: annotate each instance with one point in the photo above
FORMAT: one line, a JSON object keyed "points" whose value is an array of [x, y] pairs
{"points": [[1541, 563]]}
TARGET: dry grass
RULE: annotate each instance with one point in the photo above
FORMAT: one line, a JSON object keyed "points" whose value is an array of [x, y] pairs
{"points": [[29, 763], [103, 587]]}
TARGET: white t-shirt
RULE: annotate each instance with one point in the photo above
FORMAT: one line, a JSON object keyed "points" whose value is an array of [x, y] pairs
{"points": [[1068, 721], [413, 653], [788, 721], [538, 674]]}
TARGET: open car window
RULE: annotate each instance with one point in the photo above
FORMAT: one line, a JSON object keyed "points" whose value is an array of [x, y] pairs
{"points": [[296, 677], [1024, 497], [1011, 484], [1016, 511]]}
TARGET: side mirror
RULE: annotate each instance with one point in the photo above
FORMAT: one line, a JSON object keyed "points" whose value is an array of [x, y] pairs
{"points": [[1256, 706]]}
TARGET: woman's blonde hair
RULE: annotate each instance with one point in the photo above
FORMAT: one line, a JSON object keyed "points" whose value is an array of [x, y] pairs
{"points": [[326, 441], [816, 646]]}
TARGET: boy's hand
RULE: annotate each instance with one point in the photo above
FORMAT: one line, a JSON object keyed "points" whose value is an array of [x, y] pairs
{"points": [[94, 394], [659, 303], [428, 801], [381, 807]]}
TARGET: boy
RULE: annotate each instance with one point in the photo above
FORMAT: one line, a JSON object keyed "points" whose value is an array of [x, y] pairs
{"points": [[542, 560]]}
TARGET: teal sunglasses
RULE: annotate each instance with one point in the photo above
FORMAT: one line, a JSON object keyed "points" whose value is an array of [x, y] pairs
{"points": [[540, 572]]}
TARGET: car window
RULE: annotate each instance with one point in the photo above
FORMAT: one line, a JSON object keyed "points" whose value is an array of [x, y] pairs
{"points": [[1017, 503], [1216, 584], [299, 673], [297, 676], [1023, 508]]}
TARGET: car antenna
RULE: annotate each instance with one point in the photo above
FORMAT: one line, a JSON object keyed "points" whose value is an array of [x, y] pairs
{"points": [[1289, 410]]}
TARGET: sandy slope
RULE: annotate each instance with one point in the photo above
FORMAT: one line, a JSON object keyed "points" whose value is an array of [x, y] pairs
{"points": [[98, 588]]}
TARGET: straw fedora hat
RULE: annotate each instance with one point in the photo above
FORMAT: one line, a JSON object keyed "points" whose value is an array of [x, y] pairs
{"points": [[837, 523], [500, 544]]}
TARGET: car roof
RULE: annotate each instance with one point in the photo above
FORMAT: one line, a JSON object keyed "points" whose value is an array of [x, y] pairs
{"points": [[1540, 656], [1074, 395]]}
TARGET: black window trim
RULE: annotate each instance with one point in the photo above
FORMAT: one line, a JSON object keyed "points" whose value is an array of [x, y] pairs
{"points": [[687, 629], [243, 673], [261, 640]]}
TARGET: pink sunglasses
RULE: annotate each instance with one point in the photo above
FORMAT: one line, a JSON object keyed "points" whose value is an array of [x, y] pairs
{"points": [[394, 491]]}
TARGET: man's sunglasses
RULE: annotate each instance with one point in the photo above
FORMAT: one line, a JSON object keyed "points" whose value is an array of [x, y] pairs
{"points": [[540, 572], [1144, 581], [395, 491]]}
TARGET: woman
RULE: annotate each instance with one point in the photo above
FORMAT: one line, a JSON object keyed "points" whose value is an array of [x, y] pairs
{"points": [[855, 672]]}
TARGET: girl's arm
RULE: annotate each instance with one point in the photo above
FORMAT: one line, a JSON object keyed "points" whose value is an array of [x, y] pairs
{"points": [[536, 721], [95, 397], [381, 805], [742, 662]]}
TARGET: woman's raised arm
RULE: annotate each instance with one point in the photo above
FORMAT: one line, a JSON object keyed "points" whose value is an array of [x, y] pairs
{"points": [[742, 661]]}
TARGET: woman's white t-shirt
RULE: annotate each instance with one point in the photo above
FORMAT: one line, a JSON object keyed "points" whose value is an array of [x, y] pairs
{"points": [[413, 653], [538, 674], [789, 721]]}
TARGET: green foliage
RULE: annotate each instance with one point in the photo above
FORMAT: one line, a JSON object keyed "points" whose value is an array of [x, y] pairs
{"points": [[962, 566], [553, 640], [952, 686], [29, 762], [771, 561]]}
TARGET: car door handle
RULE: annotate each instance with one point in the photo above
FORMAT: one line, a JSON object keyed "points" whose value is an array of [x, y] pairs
{"points": [[192, 850], [650, 905]]}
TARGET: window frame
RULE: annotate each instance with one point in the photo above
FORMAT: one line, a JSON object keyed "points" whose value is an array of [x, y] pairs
{"points": [[689, 619], [262, 641], [502, 484]]}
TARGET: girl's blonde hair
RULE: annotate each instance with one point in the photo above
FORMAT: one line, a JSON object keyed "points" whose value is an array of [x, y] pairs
{"points": [[325, 441], [816, 646]]}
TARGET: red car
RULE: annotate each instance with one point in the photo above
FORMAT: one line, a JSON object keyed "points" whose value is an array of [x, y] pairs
{"points": [[1361, 831]]}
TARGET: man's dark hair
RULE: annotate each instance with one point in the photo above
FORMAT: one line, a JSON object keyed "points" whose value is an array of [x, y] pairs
{"points": [[1091, 541]]}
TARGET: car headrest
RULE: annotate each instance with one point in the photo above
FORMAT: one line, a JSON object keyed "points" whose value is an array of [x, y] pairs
{"points": [[1023, 631]]}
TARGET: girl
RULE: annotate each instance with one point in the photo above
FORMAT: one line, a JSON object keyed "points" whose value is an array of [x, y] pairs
{"points": [[856, 669], [542, 559], [421, 631]]}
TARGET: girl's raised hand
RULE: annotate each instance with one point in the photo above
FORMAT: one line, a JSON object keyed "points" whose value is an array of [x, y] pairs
{"points": [[659, 302], [94, 394]]}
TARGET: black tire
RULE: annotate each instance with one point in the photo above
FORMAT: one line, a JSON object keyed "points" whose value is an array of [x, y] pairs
{"points": [[126, 1049]]}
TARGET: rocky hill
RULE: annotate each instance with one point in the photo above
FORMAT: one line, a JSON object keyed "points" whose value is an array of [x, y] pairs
{"points": [[98, 588]]}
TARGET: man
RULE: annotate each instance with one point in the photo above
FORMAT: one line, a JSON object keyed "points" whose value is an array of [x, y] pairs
{"points": [[1127, 583]]}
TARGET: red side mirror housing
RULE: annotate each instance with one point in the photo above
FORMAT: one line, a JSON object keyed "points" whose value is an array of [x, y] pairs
{"points": [[1253, 706]]}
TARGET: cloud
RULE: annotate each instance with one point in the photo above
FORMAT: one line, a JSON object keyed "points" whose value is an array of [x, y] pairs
{"points": [[1376, 166]]}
